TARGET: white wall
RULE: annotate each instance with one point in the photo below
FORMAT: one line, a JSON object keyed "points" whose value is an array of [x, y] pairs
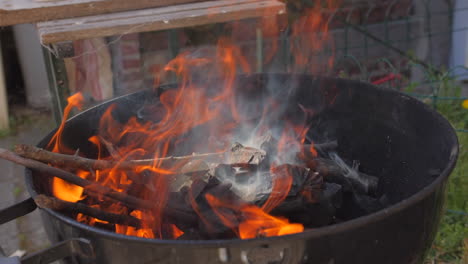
{"points": [[32, 65], [460, 38]]}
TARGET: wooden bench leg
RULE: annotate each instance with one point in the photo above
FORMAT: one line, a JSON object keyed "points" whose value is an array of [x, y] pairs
{"points": [[4, 120]]}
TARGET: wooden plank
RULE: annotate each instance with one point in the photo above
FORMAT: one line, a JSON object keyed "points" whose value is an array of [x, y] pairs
{"points": [[30, 11], [186, 15], [4, 119]]}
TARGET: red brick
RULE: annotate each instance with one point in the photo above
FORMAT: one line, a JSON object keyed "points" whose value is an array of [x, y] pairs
{"points": [[152, 41], [131, 64], [129, 49], [131, 77], [132, 36]]}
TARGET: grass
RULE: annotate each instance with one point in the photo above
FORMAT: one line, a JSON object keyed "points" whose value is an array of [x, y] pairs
{"points": [[13, 121], [451, 243], [21, 116]]}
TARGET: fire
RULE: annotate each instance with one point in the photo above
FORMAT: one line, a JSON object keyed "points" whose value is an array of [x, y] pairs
{"points": [[74, 101], [261, 224], [145, 232], [311, 34], [67, 191], [180, 113], [256, 223], [61, 189]]}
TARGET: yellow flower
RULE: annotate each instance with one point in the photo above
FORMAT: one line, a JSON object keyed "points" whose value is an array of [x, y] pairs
{"points": [[465, 104]]}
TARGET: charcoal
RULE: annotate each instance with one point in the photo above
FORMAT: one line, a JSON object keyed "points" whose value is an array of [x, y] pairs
{"points": [[259, 189], [328, 193], [223, 192], [351, 180], [252, 187], [180, 181], [196, 168], [300, 175], [304, 181], [332, 195], [191, 234], [211, 226], [182, 215], [241, 156], [360, 182], [242, 176], [189, 172], [310, 213], [140, 184], [326, 147], [256, 187], [290, 205], [213, 182], [224, 171], [384, 201], [367, 204], [269, 144], [197, 187], [105, 226], [312, 187], [357, 205], [210, 220]]}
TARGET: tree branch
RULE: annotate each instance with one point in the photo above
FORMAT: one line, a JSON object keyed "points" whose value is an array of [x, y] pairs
{"points": [[53, 203], [92, 188]]}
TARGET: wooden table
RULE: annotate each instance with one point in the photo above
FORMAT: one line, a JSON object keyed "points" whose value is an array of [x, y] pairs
{"points": [[60, 22], [155, 19], [29, 11]]}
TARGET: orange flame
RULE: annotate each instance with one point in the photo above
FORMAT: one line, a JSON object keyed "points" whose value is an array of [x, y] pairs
{"points": [[256, 223], [67, 191], [61, 189], [311, 35], [74, 101], [189, 107]]}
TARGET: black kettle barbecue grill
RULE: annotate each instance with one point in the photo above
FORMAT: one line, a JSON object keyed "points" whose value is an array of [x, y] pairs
{"points": [[410, 147]]}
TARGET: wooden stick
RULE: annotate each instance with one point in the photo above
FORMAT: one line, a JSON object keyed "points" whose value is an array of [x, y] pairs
{"points": [[324, 147], [363, 183], [92, 188], [77, 162], [53, 203], [69, 161]]}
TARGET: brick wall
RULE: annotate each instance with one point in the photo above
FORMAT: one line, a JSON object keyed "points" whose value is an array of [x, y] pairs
{"points": [[127, 63], [399, 22]]}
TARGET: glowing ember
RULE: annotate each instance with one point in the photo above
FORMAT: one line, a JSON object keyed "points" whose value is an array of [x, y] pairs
{"points": [[67, 191]]}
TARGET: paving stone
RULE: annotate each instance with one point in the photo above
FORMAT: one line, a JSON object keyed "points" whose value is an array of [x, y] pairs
{"points": [[27, 232]]}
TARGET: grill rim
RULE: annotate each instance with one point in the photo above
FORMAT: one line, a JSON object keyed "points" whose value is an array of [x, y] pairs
{"points": [[308, 234]]}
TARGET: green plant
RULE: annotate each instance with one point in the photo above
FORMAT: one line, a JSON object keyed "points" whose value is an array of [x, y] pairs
{"points": [[449, 245], [17, 191]]}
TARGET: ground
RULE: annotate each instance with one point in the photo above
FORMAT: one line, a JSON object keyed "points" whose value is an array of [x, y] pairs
{"points": [[26, 233]]}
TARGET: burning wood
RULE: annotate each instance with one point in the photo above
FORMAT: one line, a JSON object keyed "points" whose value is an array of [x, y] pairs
{"points": [[241, 156], [77, 162], [201, 205], [53, 203], [92, 188], [238, 155], [341, 174]]}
